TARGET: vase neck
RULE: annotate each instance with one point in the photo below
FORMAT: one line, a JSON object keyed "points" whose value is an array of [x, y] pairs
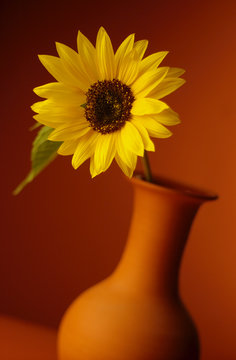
{"points": [[160, 225]]}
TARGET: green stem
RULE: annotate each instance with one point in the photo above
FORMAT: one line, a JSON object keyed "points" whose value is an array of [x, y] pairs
{"points": [[146, 167]]}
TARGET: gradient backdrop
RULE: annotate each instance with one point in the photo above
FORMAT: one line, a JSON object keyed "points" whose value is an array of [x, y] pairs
{"points": [[65, 231]]}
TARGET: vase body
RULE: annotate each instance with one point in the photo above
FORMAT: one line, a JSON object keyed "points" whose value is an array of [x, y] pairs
{"points": [[136, 313]]}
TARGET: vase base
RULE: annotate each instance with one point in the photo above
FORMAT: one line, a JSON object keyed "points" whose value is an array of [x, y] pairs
{"points": [[105, 324]]}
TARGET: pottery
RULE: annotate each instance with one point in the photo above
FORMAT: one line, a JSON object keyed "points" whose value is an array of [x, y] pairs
{"points": [[136, 313]]}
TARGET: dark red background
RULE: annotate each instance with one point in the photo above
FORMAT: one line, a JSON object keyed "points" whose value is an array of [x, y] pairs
{"points": [[65, 231]]}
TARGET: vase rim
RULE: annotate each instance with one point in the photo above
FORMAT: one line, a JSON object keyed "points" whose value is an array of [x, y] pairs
{"points": [[176, 187]]}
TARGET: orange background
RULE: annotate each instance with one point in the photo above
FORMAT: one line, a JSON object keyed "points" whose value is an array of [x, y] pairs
{"points": [[65, 231]]}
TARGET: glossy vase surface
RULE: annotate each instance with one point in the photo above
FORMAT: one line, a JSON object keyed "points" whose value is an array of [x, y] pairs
{"points": [[136, 313]]}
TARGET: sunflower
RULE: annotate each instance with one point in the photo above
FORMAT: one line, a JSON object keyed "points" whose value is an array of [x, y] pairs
{"points": [[106, 105]]}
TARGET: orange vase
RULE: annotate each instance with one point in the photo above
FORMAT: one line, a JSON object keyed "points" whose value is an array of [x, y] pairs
{"points": [[136, 313]]}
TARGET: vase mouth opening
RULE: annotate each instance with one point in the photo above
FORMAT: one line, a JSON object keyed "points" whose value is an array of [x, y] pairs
{"points": [[177, 187]]}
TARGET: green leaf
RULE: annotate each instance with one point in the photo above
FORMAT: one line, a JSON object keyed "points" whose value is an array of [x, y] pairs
{"points": [[43, 153]]}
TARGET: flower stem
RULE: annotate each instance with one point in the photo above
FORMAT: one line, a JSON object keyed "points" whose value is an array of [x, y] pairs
{"points": [[146, 167]]}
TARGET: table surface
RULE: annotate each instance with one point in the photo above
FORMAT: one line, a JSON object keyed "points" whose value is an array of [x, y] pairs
{"points": [[21, 340]]}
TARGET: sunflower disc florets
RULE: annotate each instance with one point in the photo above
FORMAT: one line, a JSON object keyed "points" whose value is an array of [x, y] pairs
{"points": [[108, 106]]}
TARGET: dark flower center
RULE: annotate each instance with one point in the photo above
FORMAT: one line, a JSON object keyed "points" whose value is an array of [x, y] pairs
{"points": [[108, 105]]}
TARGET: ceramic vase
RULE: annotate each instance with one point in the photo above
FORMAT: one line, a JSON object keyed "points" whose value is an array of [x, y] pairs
{"points": [[136, 313]]}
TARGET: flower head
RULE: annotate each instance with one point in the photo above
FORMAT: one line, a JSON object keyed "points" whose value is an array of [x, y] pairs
{"points": [[106, 105]]}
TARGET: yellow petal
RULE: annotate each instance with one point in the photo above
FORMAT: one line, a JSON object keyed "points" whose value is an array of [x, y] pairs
{"points": [[148, 143], [70, 131], [124, 154], [53, 114], [41, 105], [57, 69], [105, 56], [104, 152], [68, 147], [145, 106], [166, 87], [167, 117], [131, 140], [145, 83], [50, 89], [87, 54], [152, 61], [125, 48], [52, 108], [92, 168], [128, 171], [128, 68], [73, 64], [60, 93], [53, 120], [48, 121], [85, 148], [140, 47], [175, 72], [153, 127]]}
